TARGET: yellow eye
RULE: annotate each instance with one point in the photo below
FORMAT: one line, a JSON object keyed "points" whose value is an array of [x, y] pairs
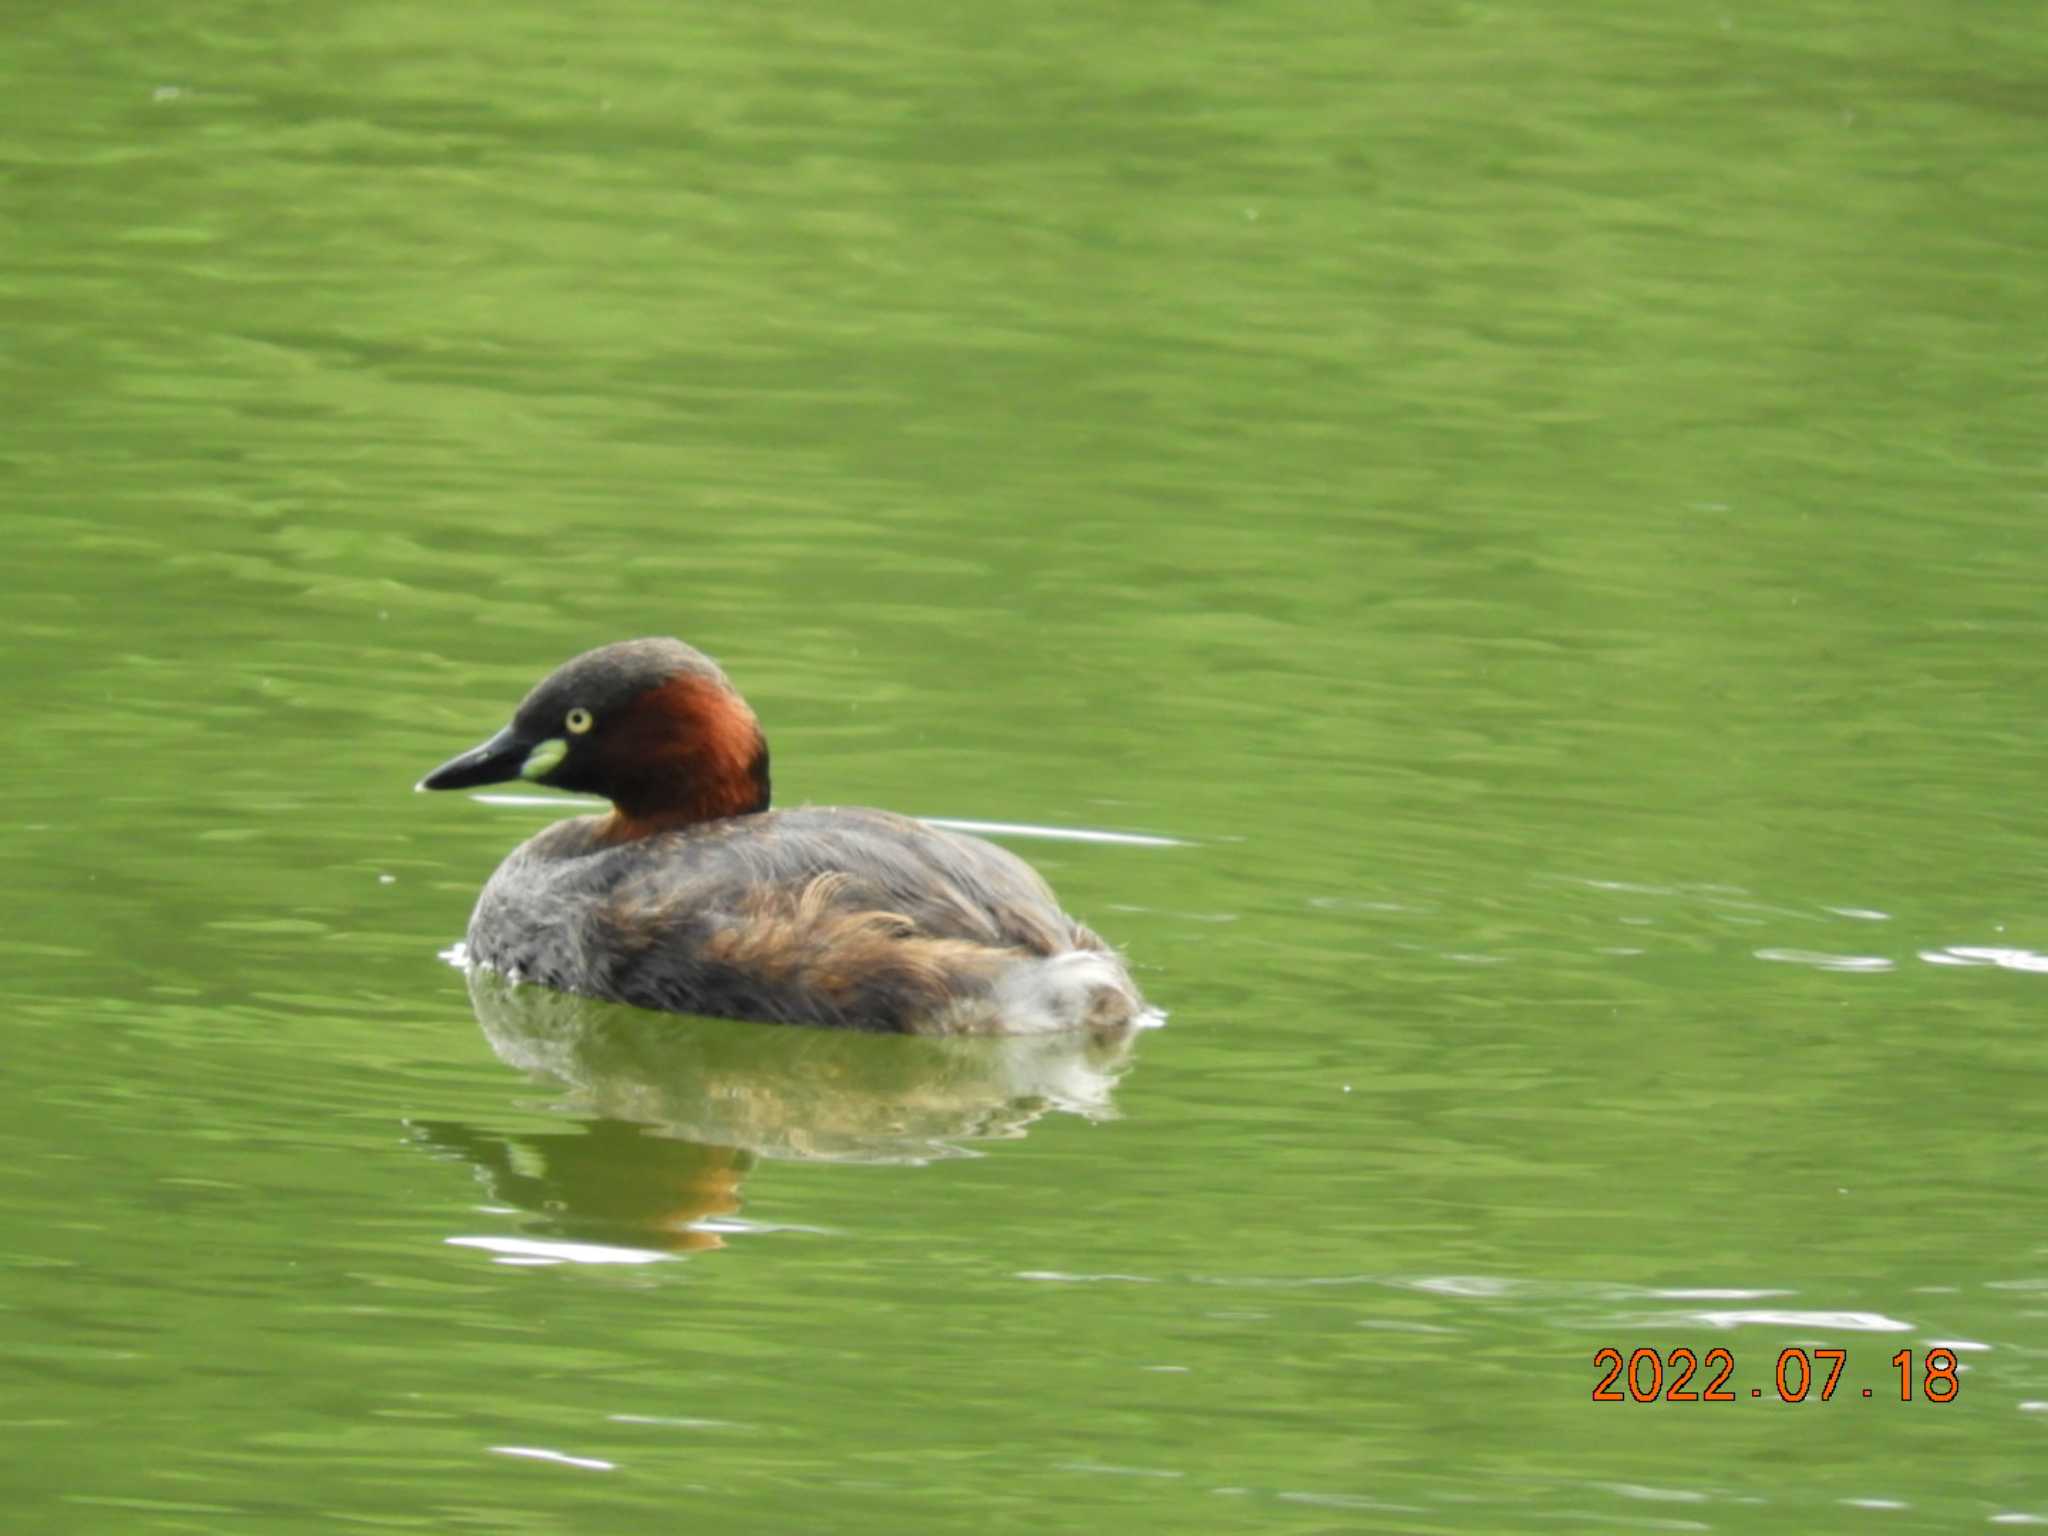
{"points": [[578, 721]]}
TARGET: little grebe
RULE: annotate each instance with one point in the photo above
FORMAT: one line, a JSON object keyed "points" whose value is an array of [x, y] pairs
{"points": [[692, 896]]}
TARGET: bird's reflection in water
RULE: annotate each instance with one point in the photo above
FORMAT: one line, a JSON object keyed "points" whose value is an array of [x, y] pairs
{"points": [[674, 1111], [607, 1182]]}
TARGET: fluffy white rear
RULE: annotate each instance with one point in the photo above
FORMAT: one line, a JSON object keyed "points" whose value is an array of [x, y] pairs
{"points": [[1080, 989]]}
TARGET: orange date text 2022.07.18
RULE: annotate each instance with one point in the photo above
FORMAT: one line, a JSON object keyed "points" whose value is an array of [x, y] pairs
{"points": [[1680, 1376]]}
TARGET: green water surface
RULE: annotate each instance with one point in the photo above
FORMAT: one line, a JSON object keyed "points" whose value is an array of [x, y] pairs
{"points": [[1539, 511]]}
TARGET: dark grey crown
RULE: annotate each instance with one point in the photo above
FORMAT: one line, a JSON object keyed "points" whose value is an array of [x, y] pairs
{"points": [[605, 679]]}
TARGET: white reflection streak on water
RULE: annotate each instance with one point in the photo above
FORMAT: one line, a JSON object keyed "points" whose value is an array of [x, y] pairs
{"points": [[955, 823], [1822, 961], [1970, 954], [1058, 834], [1711, 1293], [1654, 1495], [536, 1453], [1854, 1322], [1347, 1501], [525, 1250], [1461, 1285], [2003, 957]]}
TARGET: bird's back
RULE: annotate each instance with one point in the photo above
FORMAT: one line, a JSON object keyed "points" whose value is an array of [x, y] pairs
{"points": [[854, 918]]}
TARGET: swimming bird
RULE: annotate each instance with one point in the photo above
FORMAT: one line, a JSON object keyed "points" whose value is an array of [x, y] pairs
{"points": [[692, 896]]}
